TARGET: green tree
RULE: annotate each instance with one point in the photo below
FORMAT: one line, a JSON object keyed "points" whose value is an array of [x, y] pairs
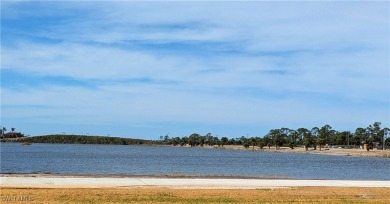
{"points": [[224, 141], [307, 140], [260, 142], [244, 141], [253, 142], [314, 132], [267, 141], [215, 141], [176, 141], [360, 136], [278, 137], [325, 134], [3, 129], [232, 141], [301, 134], [193, 139], [375, 133], [202, 140], [208, 139], [342, 138], [183, 141], [293, 138], [166, 138]]}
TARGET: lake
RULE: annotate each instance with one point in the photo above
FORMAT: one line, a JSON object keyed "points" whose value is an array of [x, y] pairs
{"points": [[166, 160]]}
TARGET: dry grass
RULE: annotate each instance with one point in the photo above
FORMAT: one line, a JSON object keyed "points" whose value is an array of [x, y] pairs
{"points": [[166, 195]]}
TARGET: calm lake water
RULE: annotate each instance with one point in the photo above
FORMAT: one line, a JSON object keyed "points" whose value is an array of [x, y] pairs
{"points": [[156, 160]]}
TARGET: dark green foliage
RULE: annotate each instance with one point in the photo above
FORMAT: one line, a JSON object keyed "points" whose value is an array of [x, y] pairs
{"points": [[224, 141], [373, 135], [82, 139], [260, 142], [285, 137]]}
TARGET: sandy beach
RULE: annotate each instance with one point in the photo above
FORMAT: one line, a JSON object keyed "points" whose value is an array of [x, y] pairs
{"points": [[90, 189], [66, 181], [324, 151]]}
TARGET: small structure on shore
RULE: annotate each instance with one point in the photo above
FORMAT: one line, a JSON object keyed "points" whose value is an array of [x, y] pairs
{"points": [[11, 134]]}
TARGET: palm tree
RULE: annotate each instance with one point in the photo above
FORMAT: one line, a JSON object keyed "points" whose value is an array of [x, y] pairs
{"points": [[293, 137], [307, 140], [12, 132], [166, 137], [208, 139], [301, 135], [374, 132], [325, 134], [360, 136], [3, 131], [253, 142], [314, 133], [277, 136]]}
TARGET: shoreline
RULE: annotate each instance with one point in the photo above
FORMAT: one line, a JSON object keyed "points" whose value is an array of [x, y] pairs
{"points": [[71, 181], [157, 176], [354, 152], [374, 153]]}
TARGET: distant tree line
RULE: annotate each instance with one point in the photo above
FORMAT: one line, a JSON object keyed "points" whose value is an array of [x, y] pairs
{"points": [[372, 135], [82, 139], [286, 137]]}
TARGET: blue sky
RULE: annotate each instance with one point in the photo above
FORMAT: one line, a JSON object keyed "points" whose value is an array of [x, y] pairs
{"points": [[144, 69]]}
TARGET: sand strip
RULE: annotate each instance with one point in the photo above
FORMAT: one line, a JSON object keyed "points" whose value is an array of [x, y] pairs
{"points": [[181, 183]]}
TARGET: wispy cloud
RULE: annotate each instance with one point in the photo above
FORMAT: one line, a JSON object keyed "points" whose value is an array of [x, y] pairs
{"points": [[235, 65], [20, 81]]}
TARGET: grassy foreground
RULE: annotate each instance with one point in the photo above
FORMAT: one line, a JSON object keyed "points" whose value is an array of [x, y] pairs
{"points": [[167, 195]]}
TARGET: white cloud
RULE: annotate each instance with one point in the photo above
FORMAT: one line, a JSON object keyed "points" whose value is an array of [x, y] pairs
{"points": [[240, 63]]}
